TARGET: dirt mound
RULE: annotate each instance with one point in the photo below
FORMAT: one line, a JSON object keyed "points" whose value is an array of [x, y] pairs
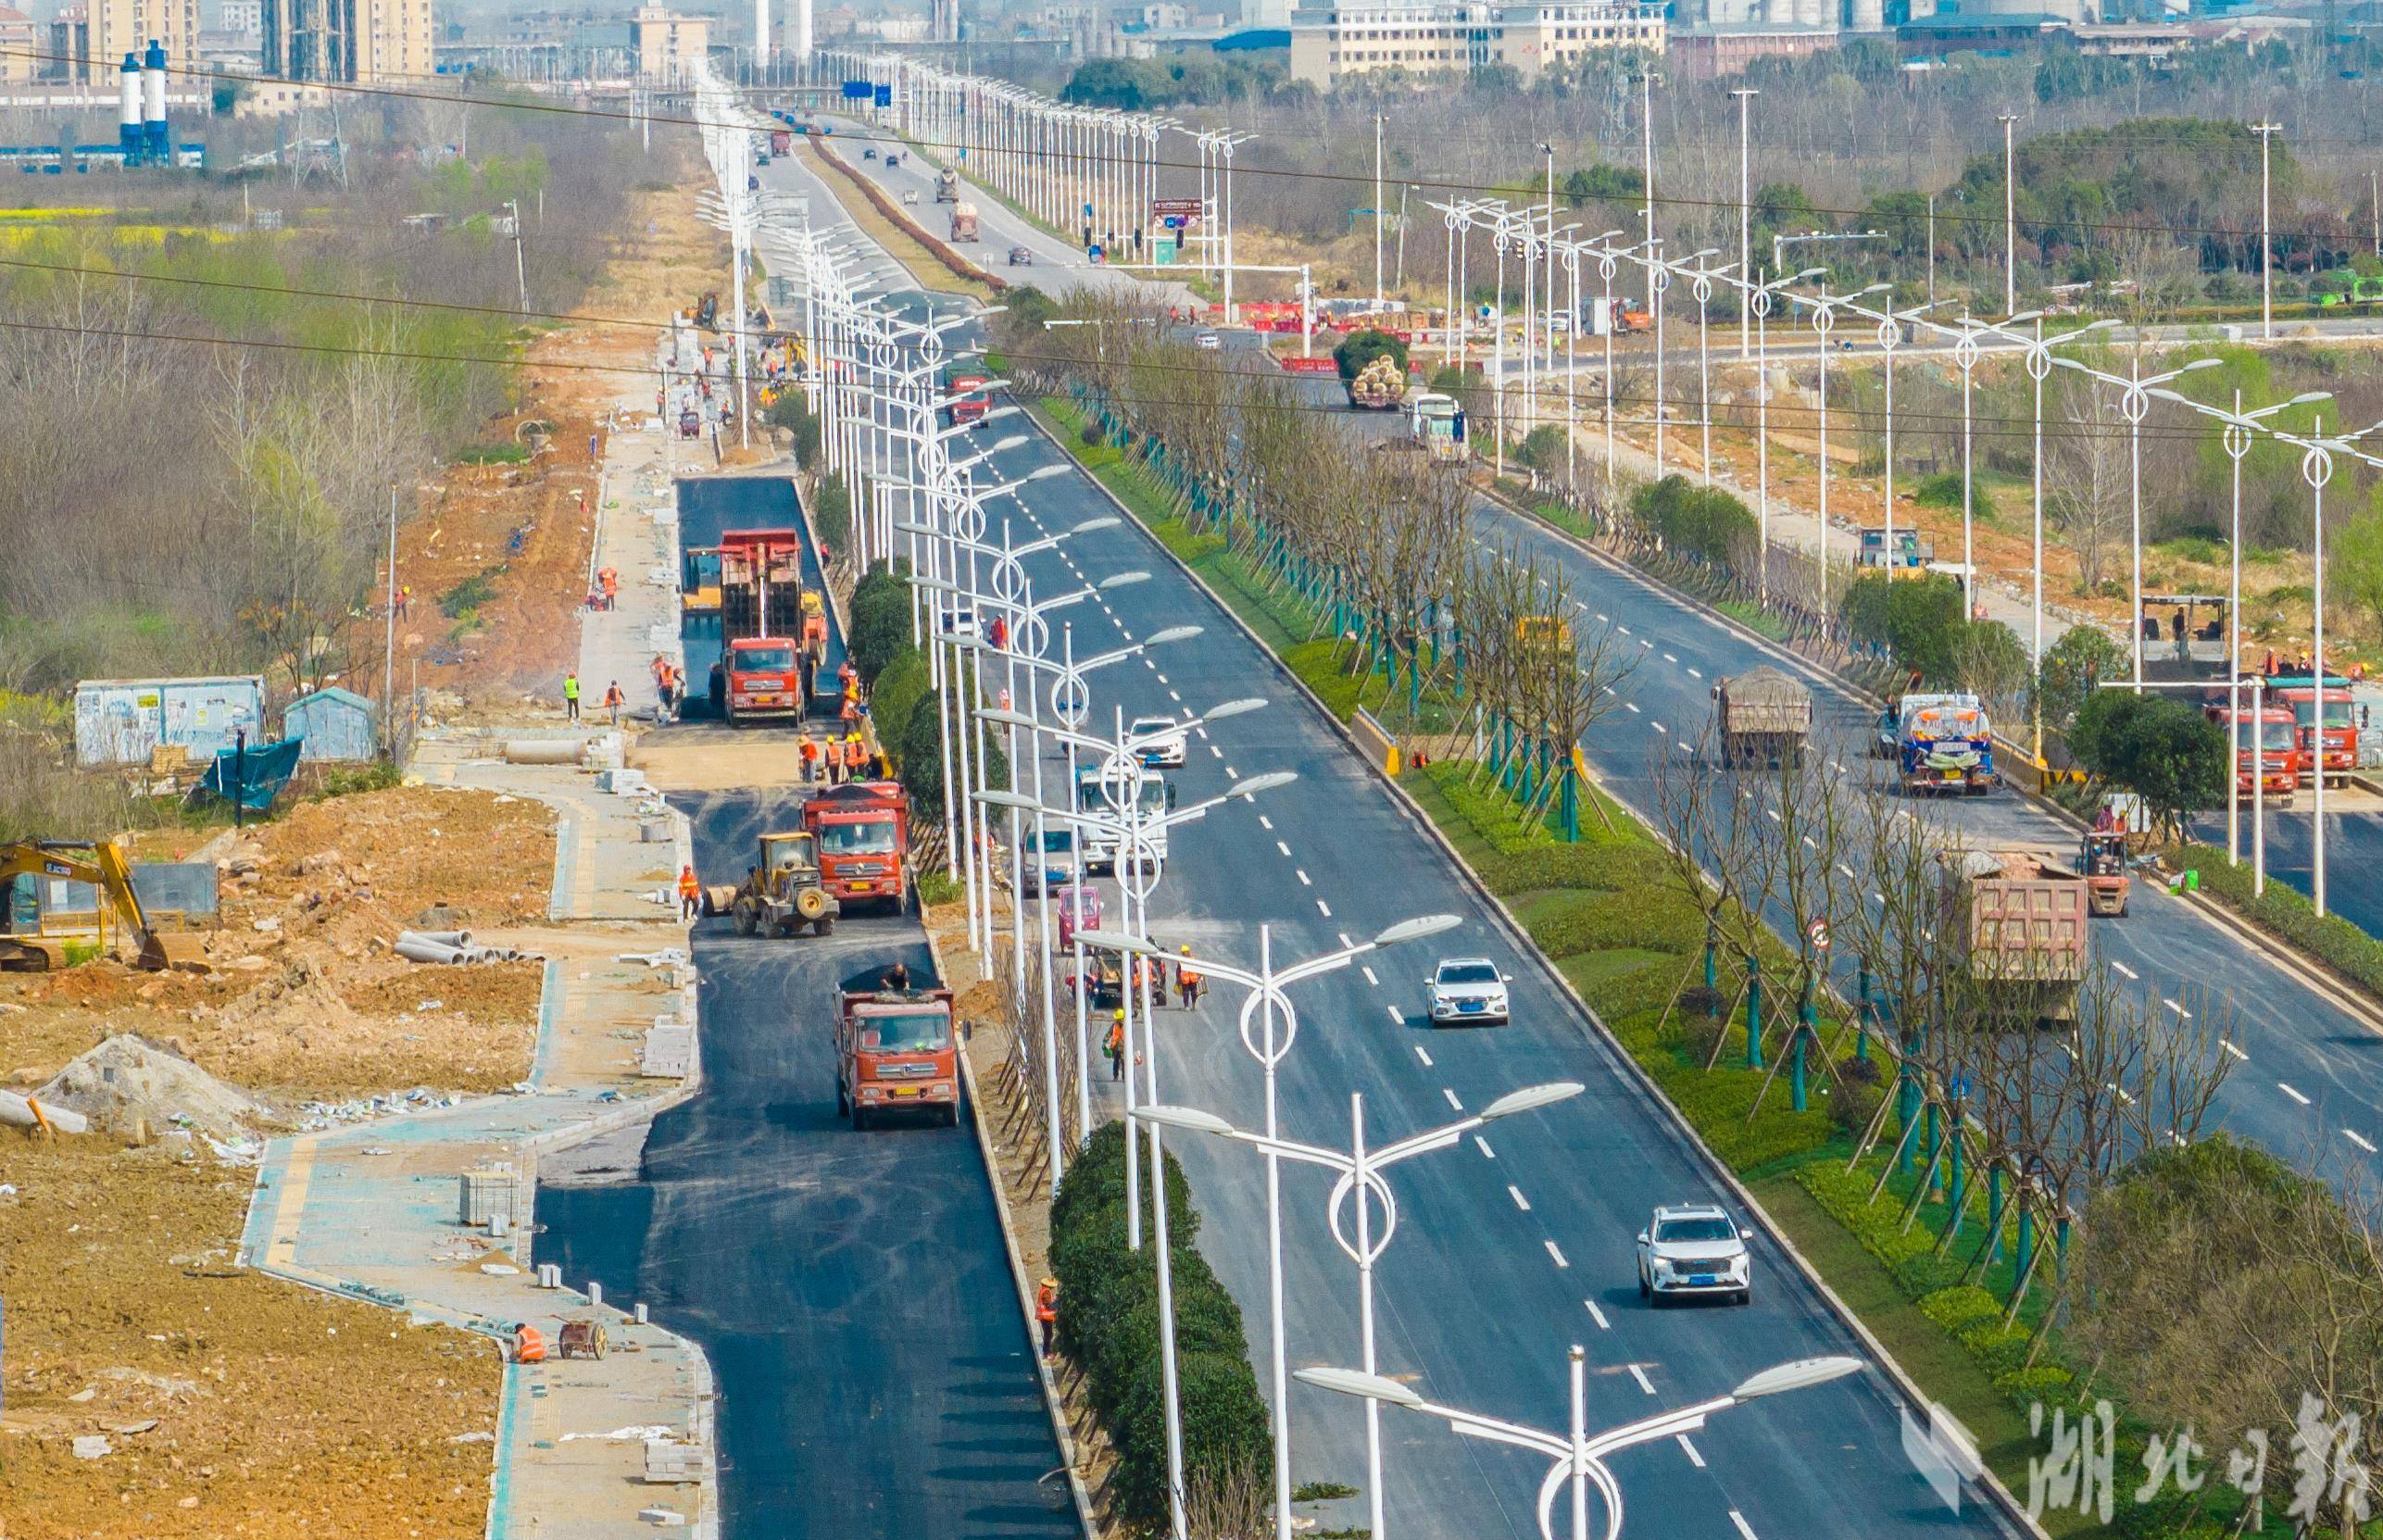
{"points": [[127, 1081]]}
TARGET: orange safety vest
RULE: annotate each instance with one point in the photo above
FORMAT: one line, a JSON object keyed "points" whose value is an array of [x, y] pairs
{"points": [[688, 886], [529, 1345], [612, 696], [811, 751], [1046, 1303], [854, 754], [1116, 1038], [1187, 977]]}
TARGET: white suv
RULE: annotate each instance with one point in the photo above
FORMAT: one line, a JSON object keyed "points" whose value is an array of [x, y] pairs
{"points": [[1468, 990], [1694, 1249], [1164, 740]]}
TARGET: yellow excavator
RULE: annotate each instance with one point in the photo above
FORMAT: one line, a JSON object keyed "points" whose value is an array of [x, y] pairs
{"points": [[37, 935]]}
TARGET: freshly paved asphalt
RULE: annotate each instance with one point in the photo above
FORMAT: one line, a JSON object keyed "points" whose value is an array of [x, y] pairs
{"points": [[851, 1289]]}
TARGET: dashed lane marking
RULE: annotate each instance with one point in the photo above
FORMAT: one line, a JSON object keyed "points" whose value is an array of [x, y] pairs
{"points": [[2130, 973], [1598, 1316], [1641, 1375], [1324, 908], [1557, 1255], [1281, 846], [1745, 1530], [1516, 1194], [2289, 1091], [1451, 1098], [1424, 1057], [2229, 1045], [1483, 1144], [1303, 879], [1690, 1450], [2358, 1139], [1369, 976]]}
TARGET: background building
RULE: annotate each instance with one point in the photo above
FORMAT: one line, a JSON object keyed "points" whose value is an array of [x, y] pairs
{"points": [[89, 39], [346, 40], [21, 40], [667, 44], [1329, 44]]}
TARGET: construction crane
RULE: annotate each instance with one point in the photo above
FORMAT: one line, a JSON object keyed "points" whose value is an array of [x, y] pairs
{"points": [[30, 942]]}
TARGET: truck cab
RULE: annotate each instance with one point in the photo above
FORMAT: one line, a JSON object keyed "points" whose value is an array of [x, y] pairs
{"points": [[2340, 729], [965, 398], [894, 1049], [863, 829], [760, 676], [2267, 750]]}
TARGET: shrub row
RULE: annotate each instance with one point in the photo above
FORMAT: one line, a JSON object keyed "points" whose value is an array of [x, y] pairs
{"points": [[1694, 519], [2288, 912], [1109, 1324]]}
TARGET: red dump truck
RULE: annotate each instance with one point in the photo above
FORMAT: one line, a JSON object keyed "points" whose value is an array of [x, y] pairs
{"points": [[964, 397], [772, 634], [863, 829], [2019, 920], [782, 141], [894, 1048], [2340, 729]]}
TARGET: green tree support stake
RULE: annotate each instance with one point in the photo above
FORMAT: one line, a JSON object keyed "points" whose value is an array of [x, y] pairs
{"points": [[1952, 1168], [1994, 1212], [2026, 1249], [1907, 1098], [1753, 1012], [1711, 958], [1798, 1093], [1862, 1012], [1933, 1177]]}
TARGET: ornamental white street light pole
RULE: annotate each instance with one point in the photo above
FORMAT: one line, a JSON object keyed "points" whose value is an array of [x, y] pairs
{"points": [[2266, 133], [1745, 95], [1266, 997], [1580, 1457], [1360, 1169]]}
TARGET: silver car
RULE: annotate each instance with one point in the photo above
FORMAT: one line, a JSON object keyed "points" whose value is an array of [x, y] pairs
{"points": [[1694, 1249], [1470, 991]]}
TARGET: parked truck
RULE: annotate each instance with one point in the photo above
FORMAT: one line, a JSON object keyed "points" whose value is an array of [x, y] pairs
{"points": [[2019, 922], [963, 221], [863, 829], [1944, 742], [1435, 423], [768, 657], [895, 1048], [782, 141], [1380, 386], [2340, 731], [1764, 716], [2266, 748], [946, 186], [964, 398]]}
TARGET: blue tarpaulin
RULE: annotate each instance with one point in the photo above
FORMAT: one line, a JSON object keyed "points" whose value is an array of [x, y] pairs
{"points": [[259, 774]]}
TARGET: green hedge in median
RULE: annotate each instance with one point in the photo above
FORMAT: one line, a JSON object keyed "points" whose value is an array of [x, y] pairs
{"points": [[1109, 1324], [2288, 912]]}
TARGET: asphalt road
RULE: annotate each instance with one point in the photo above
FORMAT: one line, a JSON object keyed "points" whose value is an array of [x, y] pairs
{"points": [[1515, 1246], [708, 507], [850, 1289]]}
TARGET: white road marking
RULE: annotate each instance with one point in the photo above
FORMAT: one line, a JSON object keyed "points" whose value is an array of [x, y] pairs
{"points": [[1669, 659], [1215, 751], [1772, 813], [1644, 642], [1303, 879], [1420, 1054], [1232, 774], [1324, 908], [1598, 1316], [1151, 665], [1878, 898], [1174, 697], [1266, 823], [1690, 1450], [2178, 1009], [1659, 728], [1808, 842], [1744, 1529], [1557, 1255], [2124, 969], [1694, 674], [1641, 1375], [1397, 1017], [1451, 1098], [2289, 1091], [1487, 1153], [1631, 706], [1281, 846], [1624, 630], [1345, 941], [2229, 1047], [1516, 1194], [1601, 615], [2356, 1139], [1369, 976], [1162, 679], [1847, 870]]}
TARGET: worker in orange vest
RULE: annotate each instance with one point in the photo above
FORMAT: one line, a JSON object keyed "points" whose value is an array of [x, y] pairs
{"points": [[1115, 1046], [809, 752], [529, 1344], [613, 700], [1187, 980], [1047, 1312], [690, 893], [856, 753]]}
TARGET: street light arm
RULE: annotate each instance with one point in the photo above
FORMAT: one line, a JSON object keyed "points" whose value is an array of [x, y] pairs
{"points": [[1662, 1425], [1495, 1432]]}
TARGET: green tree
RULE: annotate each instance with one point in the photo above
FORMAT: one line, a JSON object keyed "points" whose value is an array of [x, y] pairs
{"points": [[920, 753], [793, 413], [901, 684], [1360, 348], [2354, 559], [832, 511], [2160, 749], [881, 623], [2073, 670], [1605, 184], [1544, 450]]}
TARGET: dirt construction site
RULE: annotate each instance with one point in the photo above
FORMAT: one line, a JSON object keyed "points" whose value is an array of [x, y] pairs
{"points": [[153, 1388]]}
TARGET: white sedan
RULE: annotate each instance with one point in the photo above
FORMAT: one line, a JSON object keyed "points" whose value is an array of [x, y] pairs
{"points": [[1469, 990], [1692, 1250], [1164, 740]]}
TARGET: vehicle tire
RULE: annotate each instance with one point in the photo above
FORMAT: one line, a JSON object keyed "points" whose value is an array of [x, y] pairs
{"points": [[1745, 1297], [1644, 1292], [843, 1103], [951, 1116], [747, 918], [859, 1117], [2121, 914], [811, 903], [823, 925]]}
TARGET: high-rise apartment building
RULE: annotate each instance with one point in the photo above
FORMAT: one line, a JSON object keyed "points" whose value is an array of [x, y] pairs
{"points": [[90, 38], [387, 41]]}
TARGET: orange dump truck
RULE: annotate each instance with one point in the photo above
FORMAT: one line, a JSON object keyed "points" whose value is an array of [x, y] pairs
{"points": [[894, 1048], [2019, 920], [863, 829]]}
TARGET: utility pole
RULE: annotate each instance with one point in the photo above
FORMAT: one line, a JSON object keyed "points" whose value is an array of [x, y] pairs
{"points": [[1377, 213], [2374, 204], [1932, 248], [2266, 133], [2010, 219], [520, 270], [389, 631], [1745, 95], [1647, 153], [1548, 312]]}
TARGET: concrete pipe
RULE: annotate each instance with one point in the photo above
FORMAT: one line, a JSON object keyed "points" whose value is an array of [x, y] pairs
{"points": [[19, 1112], [420, 950], [444, 938], [544, 751]]}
